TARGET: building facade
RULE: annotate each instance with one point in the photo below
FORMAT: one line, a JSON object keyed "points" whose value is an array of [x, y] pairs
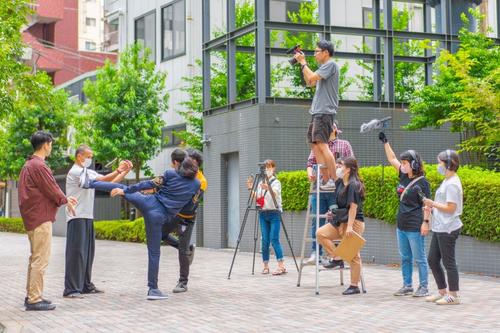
{"points": [[52, 37]]}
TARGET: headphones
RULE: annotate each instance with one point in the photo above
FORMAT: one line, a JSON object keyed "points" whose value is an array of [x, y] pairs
{"points": [[414, 163]]}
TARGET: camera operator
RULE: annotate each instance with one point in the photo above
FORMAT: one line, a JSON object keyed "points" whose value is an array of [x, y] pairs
{"points": [[340, 149], [324, 105], [411, 227], [270, 217]]}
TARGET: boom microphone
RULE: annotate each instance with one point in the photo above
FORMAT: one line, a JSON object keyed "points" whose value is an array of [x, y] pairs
{"points": [[374, 124]]}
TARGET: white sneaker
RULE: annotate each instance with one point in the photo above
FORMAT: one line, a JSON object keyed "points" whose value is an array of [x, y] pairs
{"points": [[329, 186], [433, 298], [448, 300], [312, 259]]}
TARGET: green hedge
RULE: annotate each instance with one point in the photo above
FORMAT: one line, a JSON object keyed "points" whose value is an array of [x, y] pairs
{"points": [[12, 225], [121, 230], [481, 214]]}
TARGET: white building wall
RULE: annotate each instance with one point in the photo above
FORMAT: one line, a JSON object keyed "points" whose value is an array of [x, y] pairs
{"points": [[94, 34]]}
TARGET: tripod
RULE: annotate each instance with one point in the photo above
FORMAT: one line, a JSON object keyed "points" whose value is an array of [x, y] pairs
{"points": [[259, 177]]}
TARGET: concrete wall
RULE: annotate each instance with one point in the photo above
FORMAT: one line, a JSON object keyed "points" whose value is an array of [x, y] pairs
{"points": [[278, 132]]}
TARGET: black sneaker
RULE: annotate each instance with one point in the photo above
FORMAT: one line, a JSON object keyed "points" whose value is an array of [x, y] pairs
{"points": [[40, 306], [181, 287], [43, 300], [191, 254], [352, 290], [332, 263]]}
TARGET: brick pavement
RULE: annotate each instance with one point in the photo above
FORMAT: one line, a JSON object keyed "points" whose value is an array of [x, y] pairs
{"points": [[245, 303]]}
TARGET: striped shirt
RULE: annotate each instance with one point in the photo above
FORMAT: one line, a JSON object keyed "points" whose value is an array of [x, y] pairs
{"points": [[339, 148]]}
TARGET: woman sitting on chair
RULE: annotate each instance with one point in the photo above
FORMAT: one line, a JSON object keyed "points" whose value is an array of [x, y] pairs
{"points": [[350, 193]]}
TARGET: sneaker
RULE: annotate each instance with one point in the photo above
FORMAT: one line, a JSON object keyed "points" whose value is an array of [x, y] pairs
{"points": [[155, 294], [329, 186], [421, 292], [332, 263], [74, 295], [404, 291], [84, 179], [40, 306], [191, 253], [181, 287], [312, 259], [352, 290], [448, 300], [433, 298]]}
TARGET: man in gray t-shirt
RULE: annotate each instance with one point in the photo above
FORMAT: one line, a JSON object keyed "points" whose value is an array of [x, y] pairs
{"points": [[80, 240], [324, 105]]}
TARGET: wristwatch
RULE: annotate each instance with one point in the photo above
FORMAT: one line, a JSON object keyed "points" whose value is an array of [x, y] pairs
{"points": [[302, 67]]}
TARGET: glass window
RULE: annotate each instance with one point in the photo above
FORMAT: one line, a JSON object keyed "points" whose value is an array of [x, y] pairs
{"points": [[90, 46], [169, 139], [173, 30], [145, 32], [90, 21]]}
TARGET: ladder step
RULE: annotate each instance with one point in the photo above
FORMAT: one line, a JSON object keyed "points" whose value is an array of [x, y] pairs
{"points": [[322, 191]]}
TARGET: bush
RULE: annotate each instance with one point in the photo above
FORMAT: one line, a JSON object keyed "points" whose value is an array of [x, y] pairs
{"points": [[12, 225], [481, 196], [121, 230]]}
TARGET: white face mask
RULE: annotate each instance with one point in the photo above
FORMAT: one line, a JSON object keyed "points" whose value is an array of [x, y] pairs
{"points": [[269, 173], [441, 169], [340, 172], [87, 163]]}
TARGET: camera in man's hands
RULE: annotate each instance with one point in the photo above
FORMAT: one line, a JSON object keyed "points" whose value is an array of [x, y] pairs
{"points": [[296, 49]]}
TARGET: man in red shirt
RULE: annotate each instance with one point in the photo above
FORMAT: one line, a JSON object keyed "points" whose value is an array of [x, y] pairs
{"points": [[39, 199]]}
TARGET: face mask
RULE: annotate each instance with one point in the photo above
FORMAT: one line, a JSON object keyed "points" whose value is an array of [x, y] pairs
{"points": [[87, 163], [340, 173], [269, 173], [441, 170]]}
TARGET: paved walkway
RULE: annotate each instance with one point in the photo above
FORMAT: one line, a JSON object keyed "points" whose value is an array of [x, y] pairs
{"points": [[245, 303]]}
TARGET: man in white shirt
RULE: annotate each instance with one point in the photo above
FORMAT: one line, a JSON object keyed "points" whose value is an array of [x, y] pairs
{"points": [[80, 237]]}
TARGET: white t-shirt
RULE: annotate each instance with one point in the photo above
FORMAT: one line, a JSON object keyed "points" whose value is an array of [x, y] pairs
{"points": [[268, 199], [85, 207], [450, 190]]}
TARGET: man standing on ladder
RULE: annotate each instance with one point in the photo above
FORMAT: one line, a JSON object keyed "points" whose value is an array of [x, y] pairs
{"points": [[340, 149]]}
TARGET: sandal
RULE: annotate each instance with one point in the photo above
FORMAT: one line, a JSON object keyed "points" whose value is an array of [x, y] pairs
{"points": [[265, 271], [280, 271]]}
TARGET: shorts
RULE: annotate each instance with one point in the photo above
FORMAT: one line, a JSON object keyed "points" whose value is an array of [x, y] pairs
{"points": [[320, 128]]}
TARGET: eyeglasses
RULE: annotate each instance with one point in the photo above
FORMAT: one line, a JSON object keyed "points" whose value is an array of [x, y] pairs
{"points": [[318, 51]]}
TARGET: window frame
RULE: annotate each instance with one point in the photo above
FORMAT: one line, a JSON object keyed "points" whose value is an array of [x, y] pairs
{"points": [[143, 16], [90, 19], [163, 57]]}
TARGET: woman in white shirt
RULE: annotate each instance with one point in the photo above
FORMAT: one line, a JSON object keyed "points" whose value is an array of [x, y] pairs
{"points": [[270, 218], [446, 224]]}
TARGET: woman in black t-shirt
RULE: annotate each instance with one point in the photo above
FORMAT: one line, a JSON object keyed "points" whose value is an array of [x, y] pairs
{"points": [[350, 193], [411, 228]]}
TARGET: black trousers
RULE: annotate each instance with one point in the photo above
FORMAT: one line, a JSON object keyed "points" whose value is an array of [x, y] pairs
{"points": [[80, 250], [184, 231], [443, 249]]}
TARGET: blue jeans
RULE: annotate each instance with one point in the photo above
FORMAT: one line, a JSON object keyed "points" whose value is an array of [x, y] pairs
{"points": [[411, 245], [325, 201], [155, 216], [270, 229]]}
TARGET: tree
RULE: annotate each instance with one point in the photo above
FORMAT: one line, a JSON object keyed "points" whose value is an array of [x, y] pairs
{"points": [[466, 95], [408, 77], [44, 108], [13, 14], [123, 116]]}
